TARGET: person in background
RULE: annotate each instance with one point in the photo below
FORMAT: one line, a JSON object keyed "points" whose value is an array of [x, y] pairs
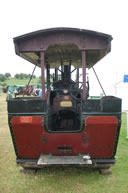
{"points": [[9, 95], [15, 92], [40, 93]]}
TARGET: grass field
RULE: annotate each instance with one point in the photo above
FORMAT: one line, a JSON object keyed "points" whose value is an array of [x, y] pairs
{"points": [[59, 179], [14, 81]]}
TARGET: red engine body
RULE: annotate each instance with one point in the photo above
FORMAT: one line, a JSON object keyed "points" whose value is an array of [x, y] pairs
{"points": [[97, 138]]}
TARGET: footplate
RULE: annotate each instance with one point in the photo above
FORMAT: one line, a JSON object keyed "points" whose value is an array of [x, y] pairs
{"points": [[64, 160]]}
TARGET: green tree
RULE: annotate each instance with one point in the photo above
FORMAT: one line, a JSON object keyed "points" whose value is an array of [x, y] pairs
{"points": [[21, 75], [25, 75], [2, 78], [17, 76], [29, 75], [34, 76], [7, 75]]}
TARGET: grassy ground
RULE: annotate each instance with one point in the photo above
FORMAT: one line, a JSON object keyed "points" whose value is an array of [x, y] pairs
{"points": [[14, 81], [59, 179]]}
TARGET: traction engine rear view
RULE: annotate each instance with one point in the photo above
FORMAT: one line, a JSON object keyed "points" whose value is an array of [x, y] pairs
{"points": [[64, 125]]}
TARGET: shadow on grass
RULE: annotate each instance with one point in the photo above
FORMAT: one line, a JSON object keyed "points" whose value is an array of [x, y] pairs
{"points": [[69, 170], [66, 172]]}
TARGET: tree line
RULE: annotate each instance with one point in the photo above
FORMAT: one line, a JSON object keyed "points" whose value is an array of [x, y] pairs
{"points": [[7, 75], [23, 76]]}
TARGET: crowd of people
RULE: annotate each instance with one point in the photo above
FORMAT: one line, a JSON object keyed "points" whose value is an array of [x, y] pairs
{"points": [[23, 90]]}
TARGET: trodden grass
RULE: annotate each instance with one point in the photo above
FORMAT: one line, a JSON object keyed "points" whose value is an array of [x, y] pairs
{"points": [[59, 179]]}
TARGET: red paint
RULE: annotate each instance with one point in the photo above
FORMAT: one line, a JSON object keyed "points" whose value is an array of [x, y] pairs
{"points": [[26, 119], [28, 136], [100, 135], [101, 132]]}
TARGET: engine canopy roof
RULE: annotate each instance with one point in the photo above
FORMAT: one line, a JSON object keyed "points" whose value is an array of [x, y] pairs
{"points": [[63, 44]]}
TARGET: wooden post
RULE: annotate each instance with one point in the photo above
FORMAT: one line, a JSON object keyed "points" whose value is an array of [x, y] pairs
{"points": [[84, 73], [42, 74]]}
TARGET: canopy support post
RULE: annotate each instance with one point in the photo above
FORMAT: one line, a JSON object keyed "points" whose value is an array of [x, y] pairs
{"points": [[77, 76], [56, 74], [42, 74], [48, 76], [84, 73]]}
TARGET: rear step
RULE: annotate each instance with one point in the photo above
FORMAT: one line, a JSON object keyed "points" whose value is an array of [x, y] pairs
{"points": [[64, 160]]}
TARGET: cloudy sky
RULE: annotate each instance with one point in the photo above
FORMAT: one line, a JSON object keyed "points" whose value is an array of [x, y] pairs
{"points": [[107, 16]]}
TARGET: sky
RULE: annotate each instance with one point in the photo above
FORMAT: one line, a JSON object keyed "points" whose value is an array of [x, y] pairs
{"points": [[107, 16]]}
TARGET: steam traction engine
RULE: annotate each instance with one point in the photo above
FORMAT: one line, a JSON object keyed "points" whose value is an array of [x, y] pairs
{"points": [[64, 126]]}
